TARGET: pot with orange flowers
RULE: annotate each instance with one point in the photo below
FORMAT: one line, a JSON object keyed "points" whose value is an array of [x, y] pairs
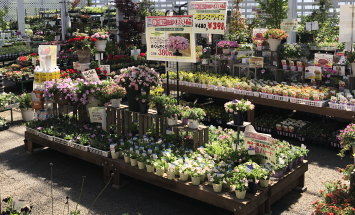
{"points": [[274, 37], [82, 45]]}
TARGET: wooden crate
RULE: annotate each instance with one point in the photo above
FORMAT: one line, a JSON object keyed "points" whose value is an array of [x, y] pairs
{"points": [[199, 135]]}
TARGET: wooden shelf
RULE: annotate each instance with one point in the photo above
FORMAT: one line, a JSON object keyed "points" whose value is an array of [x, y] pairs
{"points": [[325, 111]]}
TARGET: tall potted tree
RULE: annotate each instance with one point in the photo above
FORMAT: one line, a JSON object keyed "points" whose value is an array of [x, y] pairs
{"points": [[26, 107]]}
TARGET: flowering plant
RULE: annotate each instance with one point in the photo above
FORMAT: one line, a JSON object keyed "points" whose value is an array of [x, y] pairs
{"points": [[100, 36], [275, 34], [195, 114], [206, 53], [138, 78], [238, 105], [81, 41], [178, 43], [227, 44], [113, 91], [61, 90], [347, 138], [171, 111]]}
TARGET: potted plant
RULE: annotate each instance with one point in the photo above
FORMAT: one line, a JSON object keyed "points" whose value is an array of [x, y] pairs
{"points": [[141, 158], [126, 156], [263, 175], [217, 182], [143, 103], [82, 45], [274, 37], [350, 57], [160, 101], [114, 153], [26, 107], [137, 81], [195, 115], [133, 158], [294, 51], [241, 187], [100, 39], [149, 165], [206, 55], [171, 171], [172, 113], [225, 45], [195, 175], [238, 108], [160, 166], [114, 93]]}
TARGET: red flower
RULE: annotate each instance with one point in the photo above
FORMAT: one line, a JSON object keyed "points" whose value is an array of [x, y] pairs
{"points": [[142, 54], [33, 54], [93, 39], [105, 72]]}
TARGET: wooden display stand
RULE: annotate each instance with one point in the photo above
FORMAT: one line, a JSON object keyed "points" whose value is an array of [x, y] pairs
{"points": [[260, 203]]}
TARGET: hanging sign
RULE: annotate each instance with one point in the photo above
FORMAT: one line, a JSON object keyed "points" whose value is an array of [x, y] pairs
{"points": [[91, 75], [97, 114], [170, 38], [260, 144], [289, 25], [210, 17], [312, 26]]}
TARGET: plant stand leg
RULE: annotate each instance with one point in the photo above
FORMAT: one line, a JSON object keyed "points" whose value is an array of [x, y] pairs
{"points": [[300, 187], [268, 207], [28, 146]]}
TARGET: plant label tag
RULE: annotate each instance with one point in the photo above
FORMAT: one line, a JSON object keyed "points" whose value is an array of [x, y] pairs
{"points": [[91, 75], [251, 151]]}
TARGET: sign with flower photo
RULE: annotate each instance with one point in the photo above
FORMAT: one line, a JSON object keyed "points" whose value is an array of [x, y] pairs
{"points": [[323, 60], [170, 38], [260, 144], [210, 17]]}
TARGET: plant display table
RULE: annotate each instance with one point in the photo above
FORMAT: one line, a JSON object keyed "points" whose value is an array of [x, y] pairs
{"points": [[325, 111], [254, 204]]}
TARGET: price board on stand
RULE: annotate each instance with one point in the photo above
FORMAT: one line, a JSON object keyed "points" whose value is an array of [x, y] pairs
{"points": [[209, 17]]}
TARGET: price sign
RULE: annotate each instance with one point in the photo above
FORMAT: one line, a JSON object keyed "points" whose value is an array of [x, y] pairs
{"points": [[289, 25], [209, 17], [106, 68], [91, 75], [97, 114]]}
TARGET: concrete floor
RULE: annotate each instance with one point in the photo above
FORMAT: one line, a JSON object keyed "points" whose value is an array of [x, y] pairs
{"points": [[26, 177]]}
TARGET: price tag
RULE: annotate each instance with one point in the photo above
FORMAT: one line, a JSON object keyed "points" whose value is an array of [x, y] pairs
{"points": [[91, 75]]}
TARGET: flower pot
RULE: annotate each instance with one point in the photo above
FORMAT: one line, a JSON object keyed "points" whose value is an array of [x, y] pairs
{"points": [[84, 55], [204, 61], [217, 188], [171, 121], [100, 45], [252, 187], [159, 171], [27, 114], [183, 176], [115, 155], [126, 159], [238, 118], [141, 165], [353, 69], [133, 161], [193, 124], [143, 107], [116, 103], [274, 44], [150, 168], [171, 175], [226, 51], [133, 104], [264, 183], [196, 180], [240, 194]]}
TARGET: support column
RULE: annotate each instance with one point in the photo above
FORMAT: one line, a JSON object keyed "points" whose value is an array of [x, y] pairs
{"points": [[21, 16], [292, 14], [63, 17]]}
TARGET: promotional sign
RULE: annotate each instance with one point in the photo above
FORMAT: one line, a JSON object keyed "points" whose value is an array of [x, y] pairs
{"points": [[170, 38], [97, 114], [346, 23], [313, 72], [260, 144], [91, 75], [289, 25], [258, 33], [312, 26], [256, 61], [323, 60], [210, 17]]}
